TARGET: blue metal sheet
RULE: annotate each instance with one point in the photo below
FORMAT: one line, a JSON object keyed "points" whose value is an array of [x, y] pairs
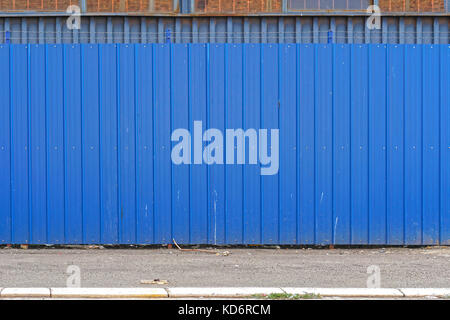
{"points": [[395, 144], [90, 142], [359, 162], [5, 144], [306, 118], [445, 144], [270, 108], [85, 143], [37, 129], [73, 182], [218, 103], [19, 143], [341, 151]]}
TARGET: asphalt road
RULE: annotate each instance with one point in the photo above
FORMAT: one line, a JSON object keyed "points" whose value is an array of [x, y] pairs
{"points": [[105, 267]]}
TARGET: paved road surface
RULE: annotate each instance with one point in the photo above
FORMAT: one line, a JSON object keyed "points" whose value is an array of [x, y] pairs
{"points": [[400, 267]]}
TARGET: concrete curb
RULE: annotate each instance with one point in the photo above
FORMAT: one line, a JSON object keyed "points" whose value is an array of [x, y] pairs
{"points": [[423, 292], [220, 292], [110, 293], [25, 293], [347, 292], [229, 292]]}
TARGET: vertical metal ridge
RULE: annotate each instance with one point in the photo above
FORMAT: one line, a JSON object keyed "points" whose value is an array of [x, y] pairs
{"points": [[369, 87], [46, 145], [297, 142], [441, 146], [83, 231], [261, 106], [136, 135], [63, 48], [100, 148], [64, 141], [385, 142], [119, 195], [153, 143], [244, 128], [30, 208], [350, 146], [315, 140], [189, 99], [225, 122], [171, 130], [404, 143], [208, 102], [298, 30], [280, 105], [422, 146], [11, 124], [333, 135]]}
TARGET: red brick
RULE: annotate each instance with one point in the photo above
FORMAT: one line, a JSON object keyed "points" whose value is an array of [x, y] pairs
{"points": [[412, 5], [202, 6]]}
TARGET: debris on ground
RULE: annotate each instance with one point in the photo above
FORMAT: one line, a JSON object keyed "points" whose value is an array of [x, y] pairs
{"points": [[155, 281], [95, 247], [212, 251]]}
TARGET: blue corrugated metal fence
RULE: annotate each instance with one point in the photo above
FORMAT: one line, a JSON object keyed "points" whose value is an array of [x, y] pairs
{"points": [[85, 143]]}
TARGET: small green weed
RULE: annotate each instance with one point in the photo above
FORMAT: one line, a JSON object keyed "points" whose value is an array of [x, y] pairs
{"points": [[288, 296]]}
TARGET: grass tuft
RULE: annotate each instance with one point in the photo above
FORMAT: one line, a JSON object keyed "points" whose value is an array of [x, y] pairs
{"points": [[288, 296]]}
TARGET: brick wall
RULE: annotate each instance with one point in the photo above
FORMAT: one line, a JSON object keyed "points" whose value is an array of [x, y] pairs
{"points": [[35, 5], [92, 5], [129, 6], [412, 5], [201, 6]]}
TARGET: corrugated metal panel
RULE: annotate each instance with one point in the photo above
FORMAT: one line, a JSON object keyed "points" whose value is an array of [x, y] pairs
{"points": [[288, 29], [85, 143]]}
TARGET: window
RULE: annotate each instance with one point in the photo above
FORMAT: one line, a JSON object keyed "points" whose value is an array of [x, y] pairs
{"points": [[360, 5], [238, 6]]}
